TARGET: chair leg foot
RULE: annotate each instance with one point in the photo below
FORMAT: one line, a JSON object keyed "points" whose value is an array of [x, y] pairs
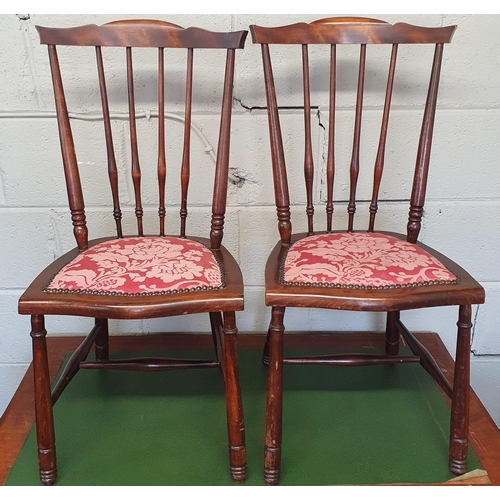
{"points": [[48, 477], [238, 473], [458, 467], [272, 459]]}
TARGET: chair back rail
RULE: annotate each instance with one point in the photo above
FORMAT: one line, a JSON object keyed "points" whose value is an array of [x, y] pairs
{"points": [[159, 35], [334, 32]]}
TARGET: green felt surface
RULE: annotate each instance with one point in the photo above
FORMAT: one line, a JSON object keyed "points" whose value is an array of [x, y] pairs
{"points": [[341, 425]]}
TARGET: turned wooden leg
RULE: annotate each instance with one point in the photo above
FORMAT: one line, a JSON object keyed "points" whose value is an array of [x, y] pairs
{"points": [[216, 326], [43, 404], [234, 405], [459, 427], [392, 334], [274, 403], [265, 351], [102, 341]]}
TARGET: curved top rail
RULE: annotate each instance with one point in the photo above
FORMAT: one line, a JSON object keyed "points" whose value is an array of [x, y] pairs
{"points": [[142, 33], [350, 30]]}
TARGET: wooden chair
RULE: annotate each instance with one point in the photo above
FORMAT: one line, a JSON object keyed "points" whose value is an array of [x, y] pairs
{"points": [[140, 277], [359, 270]]}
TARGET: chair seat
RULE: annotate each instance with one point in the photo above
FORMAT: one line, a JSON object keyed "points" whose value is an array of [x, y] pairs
{"points": [[326, 271], [361, 260], [137, 278], [140, 266]]}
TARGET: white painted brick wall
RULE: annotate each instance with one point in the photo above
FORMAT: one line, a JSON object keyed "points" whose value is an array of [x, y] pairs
{"points": [[461, 214]]}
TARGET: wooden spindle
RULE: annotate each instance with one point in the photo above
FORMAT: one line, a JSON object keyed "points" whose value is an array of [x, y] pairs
{"points": [[354, 170], [185, 168], [71, 172], [112, 170], [277, 152], [222, 163], [379, 161], [330, 161], [424, 151], [162, 163], [308, 157], [136, 169]]}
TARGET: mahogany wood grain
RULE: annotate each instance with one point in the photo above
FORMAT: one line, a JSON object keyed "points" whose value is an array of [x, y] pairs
{"points": [[186, 151], [459, 427], [73, 185], [354, 168], [37, 302], [392, 333], [110, 149], [330, 161], [379, 162], [74, 362], [308, 156], [424, 151], [274, 398], [102, 340], [425, 358], [234, 403], [278, 155], [222, 167], [162, 161], [335, 32], [43, 405], [134, 149]]}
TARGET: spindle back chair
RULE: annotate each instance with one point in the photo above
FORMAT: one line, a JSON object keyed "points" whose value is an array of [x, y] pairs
{"points": [[350, 269], [140, 277]]}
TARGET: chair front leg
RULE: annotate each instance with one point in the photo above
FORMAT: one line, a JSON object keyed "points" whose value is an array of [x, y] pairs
{"points": [[459, 426], [234, 405], [43, 405], [274, 403]]}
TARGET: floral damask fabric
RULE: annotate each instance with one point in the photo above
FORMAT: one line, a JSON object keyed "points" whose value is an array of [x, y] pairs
{"points": [[364, 260], [146, 265]]}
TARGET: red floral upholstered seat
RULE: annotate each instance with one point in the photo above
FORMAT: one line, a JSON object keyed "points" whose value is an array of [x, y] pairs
{"points": [[148, 265], [361, 260]]}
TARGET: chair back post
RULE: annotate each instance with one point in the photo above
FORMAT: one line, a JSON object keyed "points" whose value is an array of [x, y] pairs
{"points": [[282, 197], [424, 151], [222, 162], [70, 164]]}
